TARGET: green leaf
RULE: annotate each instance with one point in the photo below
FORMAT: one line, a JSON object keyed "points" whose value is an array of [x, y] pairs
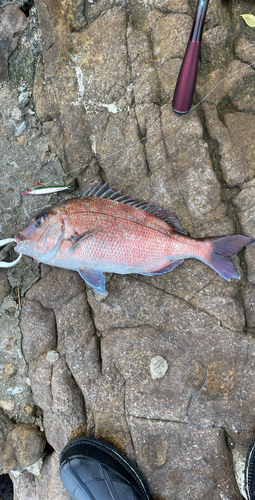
{"points": [[249, 19]]}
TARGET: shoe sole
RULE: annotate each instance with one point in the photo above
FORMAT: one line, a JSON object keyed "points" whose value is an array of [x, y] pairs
{"points": [[113, 453], [249, 472]]}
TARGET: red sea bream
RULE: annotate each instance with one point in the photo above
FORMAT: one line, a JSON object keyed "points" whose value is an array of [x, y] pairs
{"points": [[104, 231]]}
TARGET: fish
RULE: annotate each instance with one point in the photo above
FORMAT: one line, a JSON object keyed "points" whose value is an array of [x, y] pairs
{"points": [[106, 231]]}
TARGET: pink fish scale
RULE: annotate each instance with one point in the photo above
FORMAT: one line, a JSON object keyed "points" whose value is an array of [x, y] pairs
{"points": [[120, 245]]}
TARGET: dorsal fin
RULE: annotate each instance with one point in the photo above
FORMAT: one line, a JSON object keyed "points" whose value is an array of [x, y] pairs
{"points": [[103, 191]]}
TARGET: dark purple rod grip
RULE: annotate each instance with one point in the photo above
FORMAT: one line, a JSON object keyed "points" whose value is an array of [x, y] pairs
{"points": [[185, 86]]}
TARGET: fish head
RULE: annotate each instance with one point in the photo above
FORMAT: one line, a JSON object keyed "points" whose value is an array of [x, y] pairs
{"points": [[42, 237]]}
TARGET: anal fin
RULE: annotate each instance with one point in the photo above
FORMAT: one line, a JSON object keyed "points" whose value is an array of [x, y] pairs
{"points": [[93, 278], [164, 270]]}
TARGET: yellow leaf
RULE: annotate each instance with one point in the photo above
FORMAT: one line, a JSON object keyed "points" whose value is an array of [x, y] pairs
{"points": [[249, 19]]}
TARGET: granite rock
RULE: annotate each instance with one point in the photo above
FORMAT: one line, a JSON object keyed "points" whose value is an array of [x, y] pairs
{"points": [[15, 391], [55, 391], [21, 444], [38, 330], [53, 385], [5, 286], [56, 288], [25, 58], [46, 485], [166, 449], [244, 202], [12, 23], [21, 164], [224, 124]]}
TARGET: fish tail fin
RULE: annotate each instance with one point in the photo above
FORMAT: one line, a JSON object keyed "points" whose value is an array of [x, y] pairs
{"points": [[221, 250]]}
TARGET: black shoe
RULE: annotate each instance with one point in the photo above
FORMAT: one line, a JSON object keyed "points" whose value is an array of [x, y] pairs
{"points": [[91, 469], [249, 472]]}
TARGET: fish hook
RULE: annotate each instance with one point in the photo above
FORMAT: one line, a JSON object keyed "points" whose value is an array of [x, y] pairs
{"points": [[4, 252]]}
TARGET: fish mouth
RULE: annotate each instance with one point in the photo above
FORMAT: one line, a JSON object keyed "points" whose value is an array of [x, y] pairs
{"points": [[21, 243], [20, 237]]}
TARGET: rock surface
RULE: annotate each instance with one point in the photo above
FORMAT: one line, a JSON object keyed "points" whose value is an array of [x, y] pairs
{"points": [[24, 61], [20, 444], [161, 367], [12, 23], [46, 484]]}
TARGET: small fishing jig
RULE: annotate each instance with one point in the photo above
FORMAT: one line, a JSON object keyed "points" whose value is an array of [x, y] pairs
{"points": [[39, 188], [4, 252]]}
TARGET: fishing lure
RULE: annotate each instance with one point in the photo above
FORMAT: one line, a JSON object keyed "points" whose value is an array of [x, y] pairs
{"points": [[39, 188]]}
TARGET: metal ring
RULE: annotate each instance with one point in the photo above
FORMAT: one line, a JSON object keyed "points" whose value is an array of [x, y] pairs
{"points": [[9, 264]]}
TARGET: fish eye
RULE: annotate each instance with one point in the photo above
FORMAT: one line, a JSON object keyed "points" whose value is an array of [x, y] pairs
{"points": [[39, 221]]}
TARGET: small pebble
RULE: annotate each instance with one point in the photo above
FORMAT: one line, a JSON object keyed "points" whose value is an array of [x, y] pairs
{"points": [[24, 99], [20, 129], [16, 390], [158, 367], [52, 356], [21, 140], [7, 405], [8, 371], [30, 409], [16, 113]]}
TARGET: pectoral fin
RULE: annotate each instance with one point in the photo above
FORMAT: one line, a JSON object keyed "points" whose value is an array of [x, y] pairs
{"points": [[166, 269], [80, 237], [93, 278]]}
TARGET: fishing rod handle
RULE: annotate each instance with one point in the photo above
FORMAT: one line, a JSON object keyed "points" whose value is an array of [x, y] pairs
{"points": [[186, 82], [185, 86]]}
